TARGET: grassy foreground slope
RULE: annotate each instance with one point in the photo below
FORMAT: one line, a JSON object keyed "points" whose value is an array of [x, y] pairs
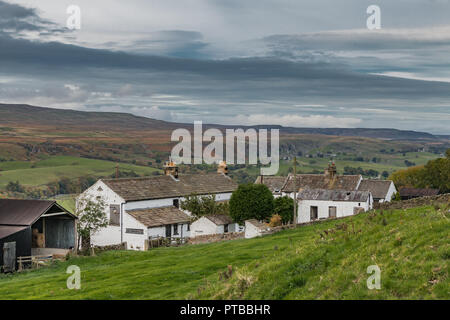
{"points": [[327, 260]]}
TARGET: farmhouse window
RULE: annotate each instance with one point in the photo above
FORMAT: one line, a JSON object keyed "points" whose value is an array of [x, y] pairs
{"points": [[175, 229], [114, 215], [176, 203], [188, 227], [225, 228], [134, 231]]}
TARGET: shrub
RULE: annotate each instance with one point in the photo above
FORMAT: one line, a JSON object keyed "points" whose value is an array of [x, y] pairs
{"points": [[251, 201]]}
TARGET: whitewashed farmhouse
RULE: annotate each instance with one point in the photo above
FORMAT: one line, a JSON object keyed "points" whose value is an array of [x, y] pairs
{"points": [[213, 224], [316, 204], [382, 190], [148, 207]]}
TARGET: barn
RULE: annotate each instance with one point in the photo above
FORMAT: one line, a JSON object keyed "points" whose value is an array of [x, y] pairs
{"points": [[34, 227]]}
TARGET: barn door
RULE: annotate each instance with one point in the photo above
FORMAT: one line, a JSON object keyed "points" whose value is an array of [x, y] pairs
{"points": [[9, 257]]}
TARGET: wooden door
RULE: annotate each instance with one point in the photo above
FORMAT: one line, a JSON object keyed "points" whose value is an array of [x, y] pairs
{"points": [[9, 257], [332, 212]]}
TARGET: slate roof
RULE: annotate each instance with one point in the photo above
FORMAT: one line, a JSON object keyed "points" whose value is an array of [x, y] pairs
{"points": [[378, 188], [25, 212], [322, 181], [418, 192], [258, 224], [220, 219], [274, 183], [159, 187], [155, 217], [333, 195]]}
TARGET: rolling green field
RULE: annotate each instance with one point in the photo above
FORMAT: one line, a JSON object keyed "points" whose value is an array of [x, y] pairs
{"points": [[327, 260], [41, 172]]}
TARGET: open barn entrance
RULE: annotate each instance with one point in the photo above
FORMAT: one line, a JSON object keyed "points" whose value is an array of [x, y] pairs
{"points": [[53, 233]]}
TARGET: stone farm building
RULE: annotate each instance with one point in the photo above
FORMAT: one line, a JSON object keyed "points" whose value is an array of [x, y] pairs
{"points": [[142, 208]]}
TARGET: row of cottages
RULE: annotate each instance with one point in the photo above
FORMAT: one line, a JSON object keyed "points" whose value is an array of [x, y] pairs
{"points": [[139, 209], [330, 195], [34, 227]]}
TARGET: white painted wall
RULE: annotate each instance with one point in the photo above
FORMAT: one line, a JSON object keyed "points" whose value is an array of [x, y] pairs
{"points": [[343, 208], [251, 231], [392, 190], [111, 234], [204, 226]]}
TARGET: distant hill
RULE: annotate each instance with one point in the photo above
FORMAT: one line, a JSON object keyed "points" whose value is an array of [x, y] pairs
{"points": [[21, 114]]}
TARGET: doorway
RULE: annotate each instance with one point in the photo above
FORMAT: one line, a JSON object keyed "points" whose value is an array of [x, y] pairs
{"points": [[332, 212], [168, 231], [314, 212]]}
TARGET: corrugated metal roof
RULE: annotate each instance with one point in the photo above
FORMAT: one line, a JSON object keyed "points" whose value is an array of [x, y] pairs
{"points": [[155, 217], [333, 195], [134, 189], [418, 192], [19, 212], [22, 212], [6, 231]]}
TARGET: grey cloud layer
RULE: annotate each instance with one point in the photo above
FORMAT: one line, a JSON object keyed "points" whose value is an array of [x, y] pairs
{"points": [[300, 81]]}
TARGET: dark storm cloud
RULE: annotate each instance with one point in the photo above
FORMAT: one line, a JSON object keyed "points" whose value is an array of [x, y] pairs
{"points": [[301, 77], [15, 19]]}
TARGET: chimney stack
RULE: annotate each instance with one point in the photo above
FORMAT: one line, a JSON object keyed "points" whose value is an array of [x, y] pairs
{"points": [[222, 168], [331, 170], [171, 169]]}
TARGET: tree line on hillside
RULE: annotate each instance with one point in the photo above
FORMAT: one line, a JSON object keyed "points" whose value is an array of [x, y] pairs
{"points": [[435, 174]]}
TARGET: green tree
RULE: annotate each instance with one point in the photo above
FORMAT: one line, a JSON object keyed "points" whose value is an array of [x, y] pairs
{"points": [[251, 201], [15, 187], [91, 218], [284, 206], [200, 206]]}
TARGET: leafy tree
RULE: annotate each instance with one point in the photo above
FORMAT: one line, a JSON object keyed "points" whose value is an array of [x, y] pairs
{"points": [[435, 174], [251, 201], [204, 205], [15, 187], [284, 206], [91, 218]]}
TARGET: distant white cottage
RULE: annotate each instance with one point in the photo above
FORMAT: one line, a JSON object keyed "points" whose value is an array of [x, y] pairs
{"points": [[316, 204], [213, 224], [142, 208]]}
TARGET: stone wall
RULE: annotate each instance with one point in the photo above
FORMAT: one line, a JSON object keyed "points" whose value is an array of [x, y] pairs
{"points": [[209, 238], [417, 202]]}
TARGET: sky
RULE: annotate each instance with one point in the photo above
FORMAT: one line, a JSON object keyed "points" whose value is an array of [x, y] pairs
{"points": [[294, 63]]}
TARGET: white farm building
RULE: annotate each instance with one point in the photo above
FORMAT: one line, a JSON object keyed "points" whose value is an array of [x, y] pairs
{"points": [[139, 209], [213, 224], [316, 204]]}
